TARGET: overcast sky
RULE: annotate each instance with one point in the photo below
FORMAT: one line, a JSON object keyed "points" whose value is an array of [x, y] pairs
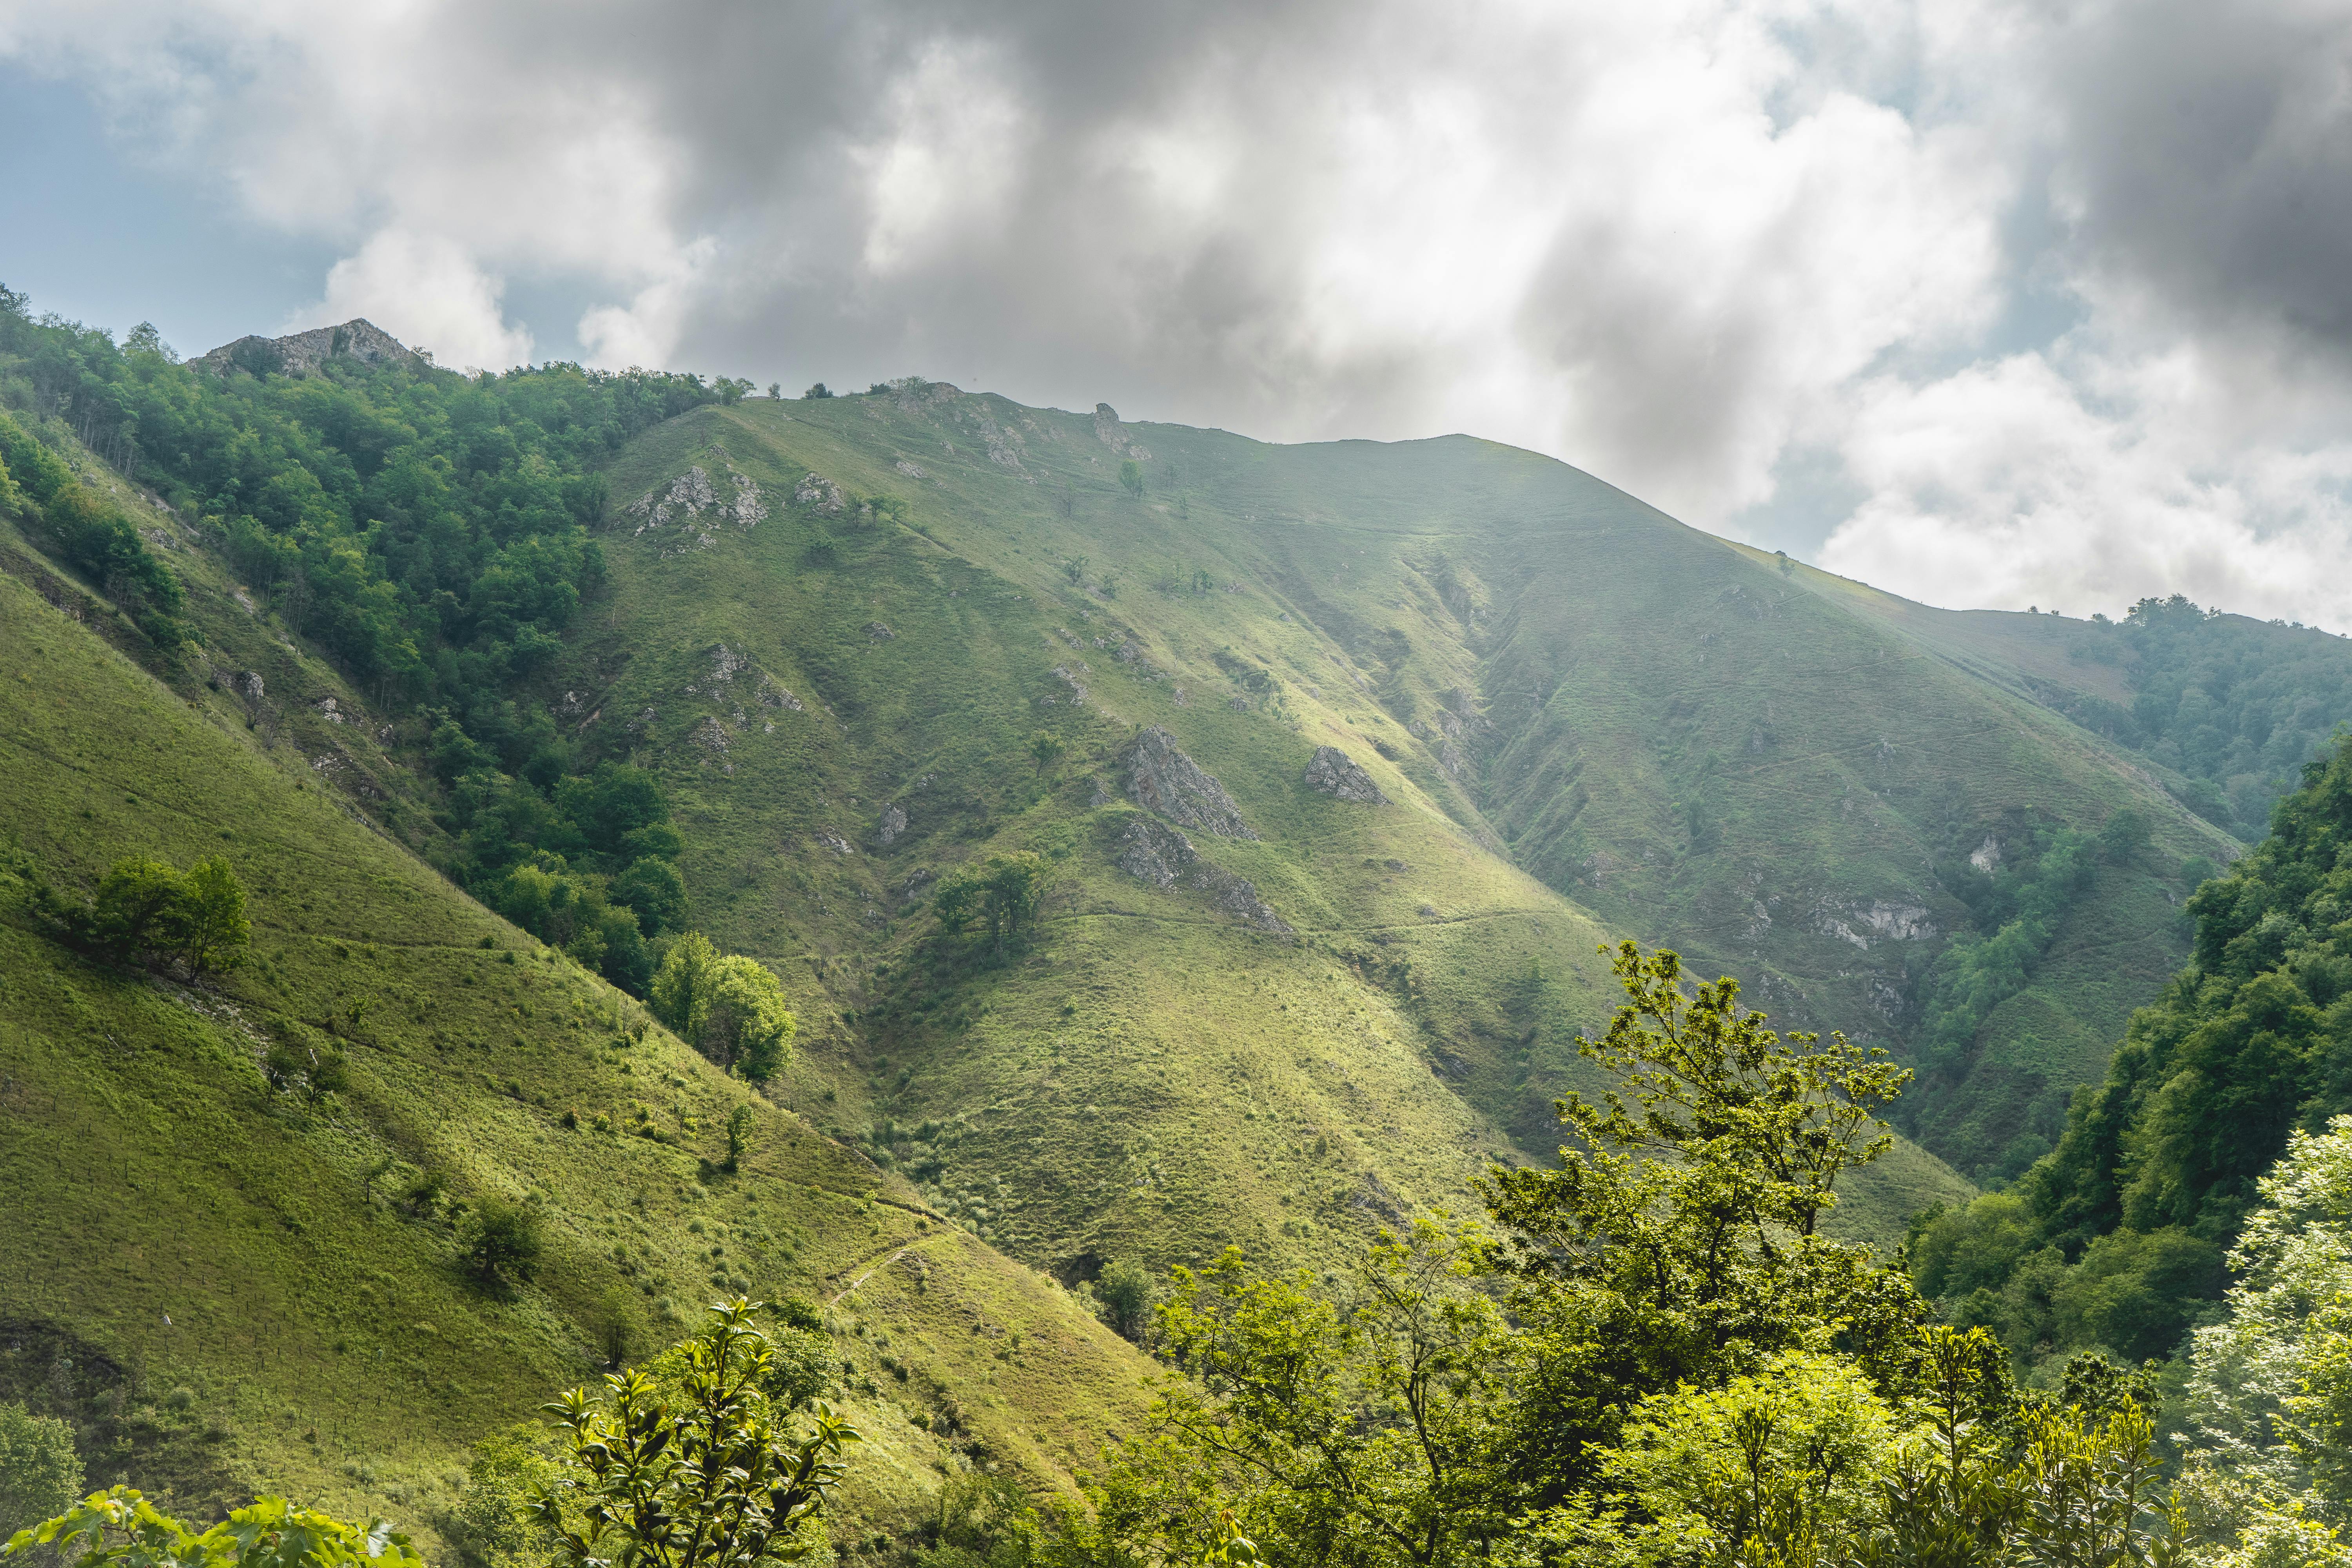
{"points": [[1989, 303]]}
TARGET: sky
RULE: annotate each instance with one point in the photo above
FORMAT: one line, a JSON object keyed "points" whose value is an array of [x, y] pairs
{"points": [[1993, 304]]}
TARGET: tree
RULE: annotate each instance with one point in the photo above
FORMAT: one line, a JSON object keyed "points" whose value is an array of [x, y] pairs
{"points": [[213, 929], [1784, 1466], [1125, 1292], [1005, 893], [1074, 567], [679, 981], [40, 1474], [654, 890], [730, 1008], [702, 1478], [1130, 476], [818, 391], [739, 1019], [739, 1127], [1048, 749], [504, 1242], [1676, 1240], [141, 904], [121, 1529], [1363, 1431]]}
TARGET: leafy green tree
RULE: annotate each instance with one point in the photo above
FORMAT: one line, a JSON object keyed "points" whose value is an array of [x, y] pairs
{"points": [[730, 1008], [121, 1529], [1074, 567], [1367, 1435], [1952, 1493], [983, 1521], [655, 891], [40, 1473], [1006, 894], [215, 931], [504, 1242], [1126, 1294], [741, 1021], [1676, 1241], [1786, 1466], [1130, 476], [705, 1478], [140, 906], [740, 1125], [680, 981]]}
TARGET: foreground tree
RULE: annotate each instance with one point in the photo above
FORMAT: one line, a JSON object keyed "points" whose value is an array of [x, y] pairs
{"points": [[700, 1476], [1678, 1242], [121, 1529]]}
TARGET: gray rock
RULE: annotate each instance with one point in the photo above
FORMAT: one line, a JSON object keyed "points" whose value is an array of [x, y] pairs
{"points": [[303, 353], [894, 823], [1164, 780], [1334, 773], [1166, 858]]}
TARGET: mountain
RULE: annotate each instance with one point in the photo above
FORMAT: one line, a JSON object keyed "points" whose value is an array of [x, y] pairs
{"points": [[227, 1288], [1587, 717], [1337, 762]]}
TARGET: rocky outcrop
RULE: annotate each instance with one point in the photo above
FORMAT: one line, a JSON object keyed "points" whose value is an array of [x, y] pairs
{"points": [[299, 353], [1164, 780], [1166, 858], [1334, 773]]}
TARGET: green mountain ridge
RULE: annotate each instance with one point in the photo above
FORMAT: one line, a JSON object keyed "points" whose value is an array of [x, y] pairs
{"points": [[834, 629]]}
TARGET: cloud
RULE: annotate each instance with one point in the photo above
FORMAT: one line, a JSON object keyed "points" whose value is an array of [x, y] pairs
{"points": [[2048, 299], [427, 290]]}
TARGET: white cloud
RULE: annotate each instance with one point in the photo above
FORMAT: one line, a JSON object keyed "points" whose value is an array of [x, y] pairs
{"points": [[1678, 244], [428, 291]]}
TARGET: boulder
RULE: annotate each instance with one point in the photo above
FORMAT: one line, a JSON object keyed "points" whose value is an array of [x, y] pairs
{"points": [[1164, 858], [1164, 781], [1334, 773]]}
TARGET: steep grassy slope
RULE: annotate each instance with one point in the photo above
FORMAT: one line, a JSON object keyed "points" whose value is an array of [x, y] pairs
{"points": [[213, 1280], [1536, 669]]}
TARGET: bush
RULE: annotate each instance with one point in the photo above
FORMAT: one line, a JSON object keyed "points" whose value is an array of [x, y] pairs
{"points": [[504, 1243], [40, 1474]]}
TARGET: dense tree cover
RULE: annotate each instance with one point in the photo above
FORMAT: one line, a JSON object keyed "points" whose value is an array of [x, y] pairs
{"points": [[89, 530], [2116, 1236], [2237, 705], [1004, 894], [1650, 1358], [2017, 910], [428, 531]]}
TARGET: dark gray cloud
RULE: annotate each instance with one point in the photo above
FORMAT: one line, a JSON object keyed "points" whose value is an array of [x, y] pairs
{"points": [[2206, 151], [2029, 303]]}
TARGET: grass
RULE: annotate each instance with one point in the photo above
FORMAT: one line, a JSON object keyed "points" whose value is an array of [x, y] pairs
{"points": [[198, 1272], [1589, 720]]}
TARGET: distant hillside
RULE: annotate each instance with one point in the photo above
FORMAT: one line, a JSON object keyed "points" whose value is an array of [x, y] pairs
{"points": [[1519, 654]]}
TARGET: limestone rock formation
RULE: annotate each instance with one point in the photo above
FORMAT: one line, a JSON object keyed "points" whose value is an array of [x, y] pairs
{"points": [[1166, 858], [1164, 780], [299, 353], [1334, 773]]}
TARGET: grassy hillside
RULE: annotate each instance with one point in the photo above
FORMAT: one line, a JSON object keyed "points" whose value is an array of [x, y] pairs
{"points": [[215, 1281], [1564, 695], [864, 641]]}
